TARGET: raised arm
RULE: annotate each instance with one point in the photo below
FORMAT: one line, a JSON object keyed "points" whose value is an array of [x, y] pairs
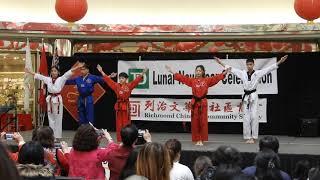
{"points": [[37, 76], [215, 79], [138, 79], [267, 70], [179, 77], [69, 73], [235, 71], [107, 79]]}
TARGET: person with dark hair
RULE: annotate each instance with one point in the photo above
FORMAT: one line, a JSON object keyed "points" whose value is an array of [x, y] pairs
{"points": [[227, 172], [227, 155], [123, 91], [267, 167], [269, 142], [117, 154], [243, 177], [31, 162], [178, 171], [54, 99], [154, 162], [266, 143], [251, 79], [8, 169], [199, 105], [53, 155], [301, 170], [203, 168], [85, 85], [129, 168], [314, 173]]}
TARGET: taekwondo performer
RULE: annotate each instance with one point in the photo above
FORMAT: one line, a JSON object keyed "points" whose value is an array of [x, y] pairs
{"points": [[123, 91], [199, 105], [54, 99], [250, 79], [85, 85]]}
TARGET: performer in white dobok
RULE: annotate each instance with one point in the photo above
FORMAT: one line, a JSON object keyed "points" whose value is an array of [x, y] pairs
{"points": [[249, 104], [54, 99]]}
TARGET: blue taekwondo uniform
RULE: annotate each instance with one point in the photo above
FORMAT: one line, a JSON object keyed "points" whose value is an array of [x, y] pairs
{"points": [[85, 87]]}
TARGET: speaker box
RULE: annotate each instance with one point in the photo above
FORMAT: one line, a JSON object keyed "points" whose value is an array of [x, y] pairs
{"points": [[309, 127]]}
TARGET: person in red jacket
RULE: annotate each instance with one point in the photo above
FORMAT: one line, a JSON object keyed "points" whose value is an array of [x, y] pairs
{"points": [[123, 91], [199, 105]]}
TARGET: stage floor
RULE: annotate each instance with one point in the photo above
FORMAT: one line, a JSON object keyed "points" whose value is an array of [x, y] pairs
{"points": [[288, 145]]}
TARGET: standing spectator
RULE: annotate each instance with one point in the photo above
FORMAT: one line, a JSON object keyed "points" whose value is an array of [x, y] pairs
{"points": [[178, 171], [154, 162], [129, 168]]}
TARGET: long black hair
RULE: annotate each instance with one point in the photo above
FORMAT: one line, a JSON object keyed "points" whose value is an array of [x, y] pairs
{"points": [[8, 169], [268, 165]]}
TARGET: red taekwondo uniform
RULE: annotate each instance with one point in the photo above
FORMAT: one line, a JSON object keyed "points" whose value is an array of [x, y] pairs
{"points": [[199, 104], [122, 105]]}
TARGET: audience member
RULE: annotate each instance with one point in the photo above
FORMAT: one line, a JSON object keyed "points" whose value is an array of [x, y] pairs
{"points": [[129, 168], [227, 155], [301, 170], [227, 171], [314, 174], [203, 168], [8, 169]]}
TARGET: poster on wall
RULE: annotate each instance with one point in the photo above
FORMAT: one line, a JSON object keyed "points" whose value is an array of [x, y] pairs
{"points": [[165, 109], [158, 81]]}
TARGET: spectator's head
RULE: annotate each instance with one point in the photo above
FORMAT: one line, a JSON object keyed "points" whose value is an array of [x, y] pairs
{"points": [[250, 64], [227, 172], [269, 142], [123, 77], [31, 153], [85, 139], [130, 166], [154, 162], [314, 174], [84, 69], [268, 165], [54, 72], [174, 149], [129, 135], [227, 155], [301, 170], [200, 71], [243, 177], [201, 164], [44, 135], [8, 169]]}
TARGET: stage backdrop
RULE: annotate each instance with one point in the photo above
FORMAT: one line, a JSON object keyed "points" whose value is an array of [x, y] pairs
{"points": [[164, 109], [298, 92], [159, 81]]}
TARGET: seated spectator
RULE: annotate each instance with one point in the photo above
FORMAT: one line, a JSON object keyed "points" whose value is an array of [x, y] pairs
{"points": [[116, 154], [227, 155], [203, 168], [314, 174], [268, 143], [129, 168], [178, 171], [301, 170], [8, 169], [227, 171], [154, 162], [31, 162], [267, 166], [18, 139]]}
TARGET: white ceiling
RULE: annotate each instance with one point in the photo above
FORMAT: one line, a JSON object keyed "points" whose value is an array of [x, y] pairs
{"points": [[158, 11]]}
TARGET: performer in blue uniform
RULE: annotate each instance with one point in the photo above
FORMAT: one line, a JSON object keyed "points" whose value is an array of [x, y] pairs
{"points": [[85, 85]]}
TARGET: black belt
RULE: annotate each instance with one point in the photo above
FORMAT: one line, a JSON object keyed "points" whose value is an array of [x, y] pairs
{"points": [[246, 93], [198, 98]]}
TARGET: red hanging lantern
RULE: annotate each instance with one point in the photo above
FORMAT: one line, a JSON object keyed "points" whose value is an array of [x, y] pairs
{"points": [[307, 9], [71, 10]]}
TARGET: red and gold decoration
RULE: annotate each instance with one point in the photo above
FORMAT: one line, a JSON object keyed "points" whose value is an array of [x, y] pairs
{"points": [[71, 10], [307, 9]]}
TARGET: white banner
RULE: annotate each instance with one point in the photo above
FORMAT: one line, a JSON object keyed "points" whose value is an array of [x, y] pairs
{"points": [[162, 109], [159, 81]]}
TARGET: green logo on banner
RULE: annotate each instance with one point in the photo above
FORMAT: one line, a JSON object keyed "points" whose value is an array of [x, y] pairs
{"points": [[144, 84]]}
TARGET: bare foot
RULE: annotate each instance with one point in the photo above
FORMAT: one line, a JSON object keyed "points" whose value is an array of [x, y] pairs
{"points": [[248, 141], [200, 143]]}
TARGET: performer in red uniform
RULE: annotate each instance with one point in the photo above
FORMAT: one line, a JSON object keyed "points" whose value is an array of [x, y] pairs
{"points": [[123, 91], [199, 105]]}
